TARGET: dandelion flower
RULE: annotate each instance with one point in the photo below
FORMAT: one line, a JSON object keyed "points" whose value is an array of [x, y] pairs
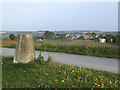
{"points": [[62, 80], [56, 80], [46, 73], [1, 63], [38, 85], [59, 71], [79, 77], [24, 71], [110, 82], [59, 65], [98, 85], [72, 70], [95, 83]]}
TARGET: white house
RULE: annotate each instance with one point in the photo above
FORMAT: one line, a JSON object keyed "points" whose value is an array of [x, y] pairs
{"points": [[102, 40]]}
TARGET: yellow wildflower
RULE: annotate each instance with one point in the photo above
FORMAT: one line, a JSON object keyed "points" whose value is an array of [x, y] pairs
{"points": [[115, 81], [79, 77], [59, 65], [110, 82], [95, 83], [38, 85], [62, 80], [64, 72], [24, 71], [80, 68], [72, 70], [59, 71], [101, 79], [46, 73], [56, 80], [98, 85], [96, 78], [1, 63]]}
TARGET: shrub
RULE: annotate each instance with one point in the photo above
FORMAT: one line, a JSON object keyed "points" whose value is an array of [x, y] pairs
{"points": [[49, 59], [40, 59], [12, 36]]}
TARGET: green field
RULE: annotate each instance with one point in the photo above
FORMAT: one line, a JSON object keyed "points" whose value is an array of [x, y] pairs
{"points": [[80, 47], [53, 75]]}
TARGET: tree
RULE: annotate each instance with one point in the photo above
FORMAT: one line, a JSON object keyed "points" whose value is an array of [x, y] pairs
{"points": [[93, 33], [12, 36], [116, 39], [101, 36], [89, 33], [58, 34], [49, 35]]}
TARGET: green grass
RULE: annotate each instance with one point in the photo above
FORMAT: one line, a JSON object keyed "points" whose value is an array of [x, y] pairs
{"points": [[0, 72], [80, 47], [53, 75]]}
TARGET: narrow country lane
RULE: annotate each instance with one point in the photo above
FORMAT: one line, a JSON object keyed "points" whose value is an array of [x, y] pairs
{"points": [[98, 63]]}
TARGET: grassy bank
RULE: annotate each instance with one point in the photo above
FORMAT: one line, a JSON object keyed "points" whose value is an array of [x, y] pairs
{"points": [[80, 47], [53, 75]]}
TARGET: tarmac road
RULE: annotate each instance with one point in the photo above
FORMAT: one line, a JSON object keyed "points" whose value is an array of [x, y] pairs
{"points": [[98, 63]]}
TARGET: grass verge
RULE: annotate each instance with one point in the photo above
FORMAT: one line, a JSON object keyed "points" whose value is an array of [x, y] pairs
{"points": [[80, 47], [53, 75]]}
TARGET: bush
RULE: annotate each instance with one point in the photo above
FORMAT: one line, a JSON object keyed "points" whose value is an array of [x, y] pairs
{"points": [[49, 59], [12, 36], [40, 59]]}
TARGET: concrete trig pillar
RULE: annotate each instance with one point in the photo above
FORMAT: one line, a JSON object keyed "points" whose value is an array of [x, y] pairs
{"points": [[24, 51]]}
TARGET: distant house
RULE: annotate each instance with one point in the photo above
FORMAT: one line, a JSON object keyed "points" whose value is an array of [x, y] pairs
{"points": [[85, 37], [78, 35], [64, 36], [69, 37], [72, 37], [95, 37], [111, 40], [102, 40], [40, 40]]}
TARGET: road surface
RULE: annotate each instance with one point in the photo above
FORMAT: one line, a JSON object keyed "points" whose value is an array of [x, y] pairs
{"points": [[98, 63]]}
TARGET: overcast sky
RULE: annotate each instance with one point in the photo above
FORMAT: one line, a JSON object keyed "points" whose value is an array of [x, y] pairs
{"points": [[60, 16]]}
